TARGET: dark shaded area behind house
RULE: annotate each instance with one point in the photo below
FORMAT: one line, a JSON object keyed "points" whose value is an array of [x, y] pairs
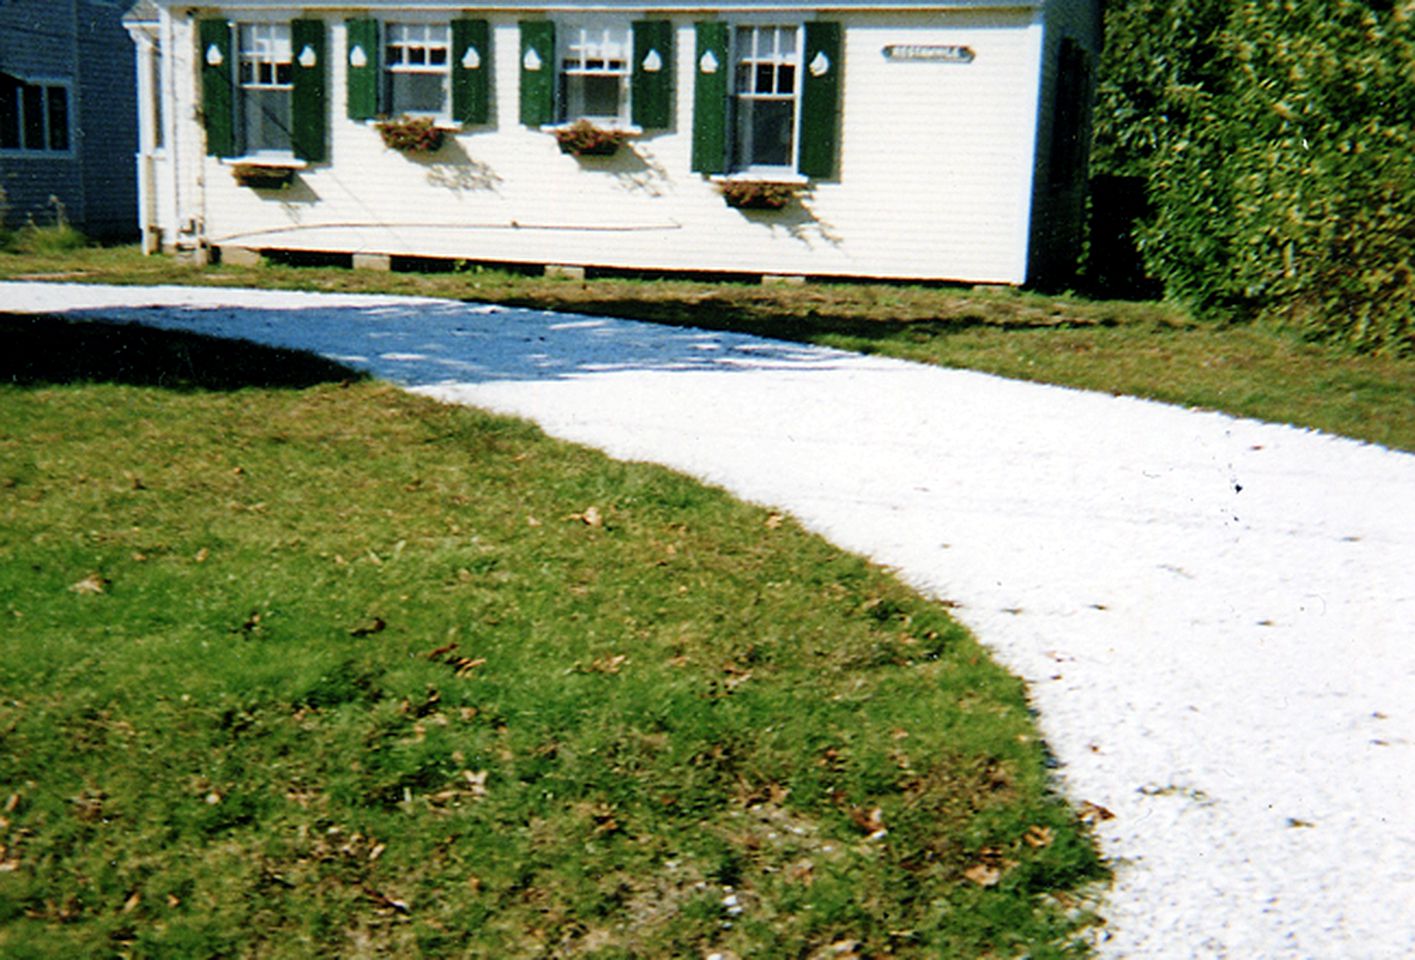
{"points": [[1114, 267]]}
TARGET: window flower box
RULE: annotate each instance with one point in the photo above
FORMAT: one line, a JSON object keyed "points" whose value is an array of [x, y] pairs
{"points": [[584, 139], [412, 134], [263, 176], [758, 194]]}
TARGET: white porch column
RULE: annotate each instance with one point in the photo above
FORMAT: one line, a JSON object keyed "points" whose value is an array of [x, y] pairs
{"points": [[145, 41]]}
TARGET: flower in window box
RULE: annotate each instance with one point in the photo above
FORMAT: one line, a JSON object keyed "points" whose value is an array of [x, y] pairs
{"points": [[758, 194], [412, 134], [584, 139], [262, 177]]}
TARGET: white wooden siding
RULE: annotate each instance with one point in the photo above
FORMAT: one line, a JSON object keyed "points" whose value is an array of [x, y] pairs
{"points": [[934, 182]]}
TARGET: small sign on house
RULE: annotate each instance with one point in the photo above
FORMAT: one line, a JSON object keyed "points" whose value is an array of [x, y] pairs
{"points": [[930, 53]]}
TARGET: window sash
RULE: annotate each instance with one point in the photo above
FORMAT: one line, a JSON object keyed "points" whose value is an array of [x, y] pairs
{"points": [[412, 53], [595, 70], [597, 50], [766, 98], [34, 117], [594, 96], [266, 59], [265, 78], [418, 48], [10, 123], [56, 102], [266, 121], [767, 61], [417, 93], [34, 121]]}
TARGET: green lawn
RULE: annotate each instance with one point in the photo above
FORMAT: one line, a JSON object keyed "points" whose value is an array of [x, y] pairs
{"points": [[305, 666], [1145, 349]]}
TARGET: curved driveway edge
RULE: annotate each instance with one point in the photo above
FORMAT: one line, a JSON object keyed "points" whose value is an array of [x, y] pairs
{"points": [[1216, 617]]}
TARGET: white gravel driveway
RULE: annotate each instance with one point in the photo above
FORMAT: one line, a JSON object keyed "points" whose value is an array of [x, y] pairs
{"points": [[1216, 616]]}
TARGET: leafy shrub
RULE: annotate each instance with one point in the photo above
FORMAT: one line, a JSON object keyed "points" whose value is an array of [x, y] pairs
{"points": [[1324, 171], [1277, 138]]}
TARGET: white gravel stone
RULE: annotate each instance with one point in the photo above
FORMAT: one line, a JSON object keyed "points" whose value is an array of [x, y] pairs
{"points": [[1215, 616]]}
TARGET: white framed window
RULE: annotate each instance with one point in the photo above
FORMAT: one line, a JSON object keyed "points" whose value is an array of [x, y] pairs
{"points": [[765, 97], [595, 67], [417, 68], [265, 79], [35, 116]]}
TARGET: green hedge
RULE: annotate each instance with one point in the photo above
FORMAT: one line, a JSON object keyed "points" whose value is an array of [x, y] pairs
{"points": [[1277, 140]]}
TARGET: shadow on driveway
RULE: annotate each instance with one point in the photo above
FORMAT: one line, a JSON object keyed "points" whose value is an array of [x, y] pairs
{"points": [[41, 350], [411, 342]]}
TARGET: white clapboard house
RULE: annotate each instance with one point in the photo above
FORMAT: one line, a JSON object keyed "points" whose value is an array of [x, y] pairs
{"points": [[908, 139]]}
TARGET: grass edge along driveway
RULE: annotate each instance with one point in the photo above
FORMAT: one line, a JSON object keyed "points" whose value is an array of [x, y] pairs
{"points": [[1144, 349], [334, 670]]}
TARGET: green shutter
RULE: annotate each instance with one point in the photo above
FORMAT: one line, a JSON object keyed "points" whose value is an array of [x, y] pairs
{"points": [[471, 71], [363, 47], [217, 57], [820, 100], [651, 95], [309, 110], [538, 84], [710, 70]]}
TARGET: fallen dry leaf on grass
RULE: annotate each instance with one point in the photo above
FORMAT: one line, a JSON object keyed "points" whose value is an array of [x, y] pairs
{"points": [[871, 822], [990, 868], [802, 872], [609, 664], [1038, 836], [839, 950], [385, 901], [94, 583], [475, 789], [460, 665], [984, 875], [590, 517], [376, 625]]}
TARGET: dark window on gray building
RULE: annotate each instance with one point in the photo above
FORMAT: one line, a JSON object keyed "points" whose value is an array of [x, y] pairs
{"points": [[34, 117]]}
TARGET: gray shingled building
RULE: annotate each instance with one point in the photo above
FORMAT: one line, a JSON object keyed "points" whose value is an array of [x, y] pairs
{"points": [[68, 115]]}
